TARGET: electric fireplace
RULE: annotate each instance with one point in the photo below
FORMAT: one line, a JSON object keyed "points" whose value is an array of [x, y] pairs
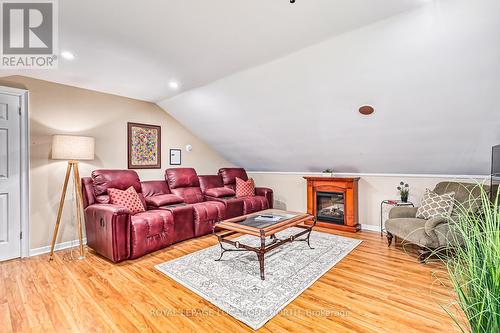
{"points": [[334, 202], [330, 207]]}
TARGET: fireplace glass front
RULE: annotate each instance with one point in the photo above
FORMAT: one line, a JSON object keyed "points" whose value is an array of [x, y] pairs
{"points": [[330, 207]]}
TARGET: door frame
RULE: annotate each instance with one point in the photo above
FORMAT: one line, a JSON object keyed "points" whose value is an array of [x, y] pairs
{"points": [[25, 166]]}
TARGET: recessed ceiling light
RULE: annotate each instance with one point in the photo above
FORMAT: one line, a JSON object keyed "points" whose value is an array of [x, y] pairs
{"points": [[67, 55], [173, 85]]}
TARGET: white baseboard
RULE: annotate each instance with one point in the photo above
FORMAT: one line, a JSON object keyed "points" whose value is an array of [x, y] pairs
{"points": [[370, 227], [59, 246]]}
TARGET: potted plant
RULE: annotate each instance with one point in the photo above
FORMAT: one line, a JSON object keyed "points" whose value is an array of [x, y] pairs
{"points": [[404, 191], [328, 172], [474, 266]]}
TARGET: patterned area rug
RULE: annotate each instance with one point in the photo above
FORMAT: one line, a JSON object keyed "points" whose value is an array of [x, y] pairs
{"points": [[234, 285]]}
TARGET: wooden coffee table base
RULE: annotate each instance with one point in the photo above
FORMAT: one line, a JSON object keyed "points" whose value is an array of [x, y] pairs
{"points": [[264, 248]]}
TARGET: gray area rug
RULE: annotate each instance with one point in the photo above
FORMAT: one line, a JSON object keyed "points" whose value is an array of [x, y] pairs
{"points": [[234, 284]]}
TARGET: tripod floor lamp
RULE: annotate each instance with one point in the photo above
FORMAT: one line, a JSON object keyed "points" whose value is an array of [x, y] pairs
{"points": [[73, 149]]}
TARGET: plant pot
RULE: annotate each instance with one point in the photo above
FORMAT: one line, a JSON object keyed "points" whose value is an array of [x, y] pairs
{"points": [[404, 198]]}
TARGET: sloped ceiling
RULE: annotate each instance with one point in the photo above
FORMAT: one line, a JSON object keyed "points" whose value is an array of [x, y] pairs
{"points": [[134, 48], [432, 74]]}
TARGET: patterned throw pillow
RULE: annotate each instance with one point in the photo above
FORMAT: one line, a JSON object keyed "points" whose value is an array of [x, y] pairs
{"points": [[245, 188], [435, 205], [128, 199]]}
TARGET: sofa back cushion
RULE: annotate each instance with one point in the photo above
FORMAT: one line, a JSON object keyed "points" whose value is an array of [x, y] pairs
{"points": [[154, 187], [184, 183], [181, 177], [119, 179], [229, 176], [211, 181]]}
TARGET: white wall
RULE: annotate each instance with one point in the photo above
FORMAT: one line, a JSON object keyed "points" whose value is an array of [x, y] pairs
{"points": [[290, 190], [433, 75]]}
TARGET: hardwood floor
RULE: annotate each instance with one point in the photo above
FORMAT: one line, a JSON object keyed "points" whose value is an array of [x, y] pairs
{"points": [[373, 289]]}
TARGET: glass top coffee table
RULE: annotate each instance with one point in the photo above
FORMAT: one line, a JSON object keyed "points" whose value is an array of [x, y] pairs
{"points": [[263, 224]]}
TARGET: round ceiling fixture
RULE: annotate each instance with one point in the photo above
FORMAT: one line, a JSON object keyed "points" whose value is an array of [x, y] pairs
{"points": [[366, 110]]}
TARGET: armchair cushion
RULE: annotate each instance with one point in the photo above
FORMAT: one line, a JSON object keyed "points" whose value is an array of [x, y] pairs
{"points": [[220, 192], [411, 230], [435, 205], [163, 200], [432, 223]]}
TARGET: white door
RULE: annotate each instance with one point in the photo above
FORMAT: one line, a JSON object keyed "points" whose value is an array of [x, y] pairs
{"points": [[10, 179]]}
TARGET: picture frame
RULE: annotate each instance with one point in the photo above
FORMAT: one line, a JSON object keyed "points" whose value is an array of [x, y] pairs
{"points": [[175, 156], [144, 146]]}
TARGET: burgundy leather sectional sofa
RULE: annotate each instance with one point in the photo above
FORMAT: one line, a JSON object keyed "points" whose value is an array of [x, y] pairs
{"points": [[182, 206]]}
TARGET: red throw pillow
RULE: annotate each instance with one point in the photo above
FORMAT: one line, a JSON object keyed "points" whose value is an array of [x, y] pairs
{"points": [[128, 199], [245, 188]]}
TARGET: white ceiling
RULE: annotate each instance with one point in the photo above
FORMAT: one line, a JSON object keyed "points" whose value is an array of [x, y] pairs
{"points": [[432, 74], [134, 48]]}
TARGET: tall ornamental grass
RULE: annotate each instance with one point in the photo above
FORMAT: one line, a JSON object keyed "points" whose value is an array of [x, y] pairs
{"points": [[474, 266]]}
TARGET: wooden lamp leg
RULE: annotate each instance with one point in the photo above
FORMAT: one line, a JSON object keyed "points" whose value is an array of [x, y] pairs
{"points": [[79, 205], [59, 211]]}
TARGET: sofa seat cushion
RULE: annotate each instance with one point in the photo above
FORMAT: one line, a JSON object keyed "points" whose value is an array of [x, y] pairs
{"points": [[233, 206], [205, 215], [219, 192], [254, 204], [411, 230], [150, 231], [163, 200]]}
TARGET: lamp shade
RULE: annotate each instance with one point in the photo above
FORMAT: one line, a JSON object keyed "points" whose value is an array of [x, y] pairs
{"points": [[69, 147]]}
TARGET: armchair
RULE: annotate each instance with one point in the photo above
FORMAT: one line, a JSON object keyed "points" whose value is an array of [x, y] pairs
{"points": [[436, 232]]}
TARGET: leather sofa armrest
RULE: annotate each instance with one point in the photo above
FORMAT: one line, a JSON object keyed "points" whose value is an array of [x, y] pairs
{"points": [[266, 192], [432, 223], [156, 201], [108, 230], [106, 209], [402, 212]]}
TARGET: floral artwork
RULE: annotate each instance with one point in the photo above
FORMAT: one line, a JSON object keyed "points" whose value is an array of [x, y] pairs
{"points": [[144, 146]]}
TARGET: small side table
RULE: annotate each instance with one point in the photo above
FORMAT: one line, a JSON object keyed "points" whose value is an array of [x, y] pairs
{"points": [[393, 203]]}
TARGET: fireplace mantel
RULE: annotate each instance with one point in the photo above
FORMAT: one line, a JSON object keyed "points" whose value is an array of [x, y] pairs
{"points": [[345, 185]]}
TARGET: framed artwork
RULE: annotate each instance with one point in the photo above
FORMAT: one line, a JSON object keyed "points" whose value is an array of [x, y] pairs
{"points": [[175, 157], [144, 146]]}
